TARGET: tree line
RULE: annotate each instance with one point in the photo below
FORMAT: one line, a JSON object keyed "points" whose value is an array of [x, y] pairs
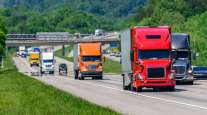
{"points": [[2, 37]]}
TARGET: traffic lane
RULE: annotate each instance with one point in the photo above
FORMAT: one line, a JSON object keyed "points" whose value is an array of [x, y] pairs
{"points": [[91, 91], [23, 66], [119, 100], [191, 94]]}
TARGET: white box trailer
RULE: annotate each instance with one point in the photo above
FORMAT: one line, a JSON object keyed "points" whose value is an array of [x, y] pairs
{"points": [[47, 62]]}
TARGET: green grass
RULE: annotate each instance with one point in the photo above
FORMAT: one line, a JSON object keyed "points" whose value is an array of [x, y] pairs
{"points": [[21, 95], [68, 49], [109, 66]]}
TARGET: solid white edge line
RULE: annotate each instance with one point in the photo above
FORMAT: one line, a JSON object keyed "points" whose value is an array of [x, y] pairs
{"points": [[151, 97], [156, 98]]}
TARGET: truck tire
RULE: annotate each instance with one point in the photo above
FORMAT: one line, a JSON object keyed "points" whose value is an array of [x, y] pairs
{"points": [[81, 78], [52, 72], [171, 88], [75, 74], [191, 82], [132, 88], [41, 72], [100, 77], [139, 89]]}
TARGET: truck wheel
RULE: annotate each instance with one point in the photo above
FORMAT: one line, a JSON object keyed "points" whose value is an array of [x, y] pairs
{"points": [[76, 74], [171, 88], [41, 72], [191, 82], [100, 77], [139, 89], [81, 78], [132, 88]]}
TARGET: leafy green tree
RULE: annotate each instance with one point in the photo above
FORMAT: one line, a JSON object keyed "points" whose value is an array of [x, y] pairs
{"points": [[2, 37]]}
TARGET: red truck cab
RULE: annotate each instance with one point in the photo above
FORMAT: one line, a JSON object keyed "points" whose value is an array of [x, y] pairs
{"points": [[146, 60]]}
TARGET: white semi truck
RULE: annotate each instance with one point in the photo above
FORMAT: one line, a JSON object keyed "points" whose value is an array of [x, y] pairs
{"points": [[47, 62], [22, 51]]}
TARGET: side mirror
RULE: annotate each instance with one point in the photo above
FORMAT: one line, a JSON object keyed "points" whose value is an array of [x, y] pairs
{"points": [[79, 59], [104, 58], [140, 68]]}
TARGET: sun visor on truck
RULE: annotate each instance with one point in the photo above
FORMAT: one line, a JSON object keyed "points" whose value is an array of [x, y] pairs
{"points": [[180, 41], [90, 49]]}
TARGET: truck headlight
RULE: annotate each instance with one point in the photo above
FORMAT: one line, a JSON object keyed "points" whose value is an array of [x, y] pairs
{"points": [[172, 75], [190, 71]]}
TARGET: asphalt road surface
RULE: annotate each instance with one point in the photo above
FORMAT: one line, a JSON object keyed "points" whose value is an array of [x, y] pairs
{"points": [[186, 100]]}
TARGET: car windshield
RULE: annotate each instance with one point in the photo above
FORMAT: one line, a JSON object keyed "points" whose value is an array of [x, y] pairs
{"points": [[91, 58], [200, 68], [63, 65], [47, 61], [182, 54], [154, 54]]}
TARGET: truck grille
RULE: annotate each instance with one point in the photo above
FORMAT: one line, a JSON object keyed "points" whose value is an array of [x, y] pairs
{"points": [[179, 69], [92, 67], [156, 72], [48, 65]]}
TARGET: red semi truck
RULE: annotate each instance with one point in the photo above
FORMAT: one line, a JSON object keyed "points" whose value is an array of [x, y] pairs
{"points": [[146, 58]]}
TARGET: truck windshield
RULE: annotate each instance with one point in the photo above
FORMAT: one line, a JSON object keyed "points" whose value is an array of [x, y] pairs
{"points": [[47, 61], [154, 54], [182, 54], [91, 58], [35, 58]]}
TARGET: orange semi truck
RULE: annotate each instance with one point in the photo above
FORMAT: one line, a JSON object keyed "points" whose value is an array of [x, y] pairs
{"points": [[88, 61]]}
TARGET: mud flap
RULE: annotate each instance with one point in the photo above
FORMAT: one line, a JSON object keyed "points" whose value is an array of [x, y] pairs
{"points": [[126, 81]]}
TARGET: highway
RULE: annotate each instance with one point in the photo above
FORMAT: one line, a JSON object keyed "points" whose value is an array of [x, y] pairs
{"points": [[186, 100]]}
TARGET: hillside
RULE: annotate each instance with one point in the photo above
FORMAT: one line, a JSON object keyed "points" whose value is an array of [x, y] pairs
{"points": [[112, 8], [59, 19], [186, 16]]}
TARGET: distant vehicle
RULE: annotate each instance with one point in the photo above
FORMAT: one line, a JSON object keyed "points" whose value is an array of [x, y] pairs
{"points": [[34, 59], [200, 71], [63, 69], [99, 32], [22, 51], [118, 54], [88, 61], [29, 50], [146, 60], [181, 53], [36, 50], [112, 54], [24, 54], [47, 62]]}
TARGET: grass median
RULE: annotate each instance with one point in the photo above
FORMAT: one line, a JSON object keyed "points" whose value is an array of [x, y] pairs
{"points": [[109, 66], [22, 95]]}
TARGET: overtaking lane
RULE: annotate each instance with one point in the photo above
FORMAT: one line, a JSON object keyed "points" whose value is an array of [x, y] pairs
{"points": [[109, 93]]}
